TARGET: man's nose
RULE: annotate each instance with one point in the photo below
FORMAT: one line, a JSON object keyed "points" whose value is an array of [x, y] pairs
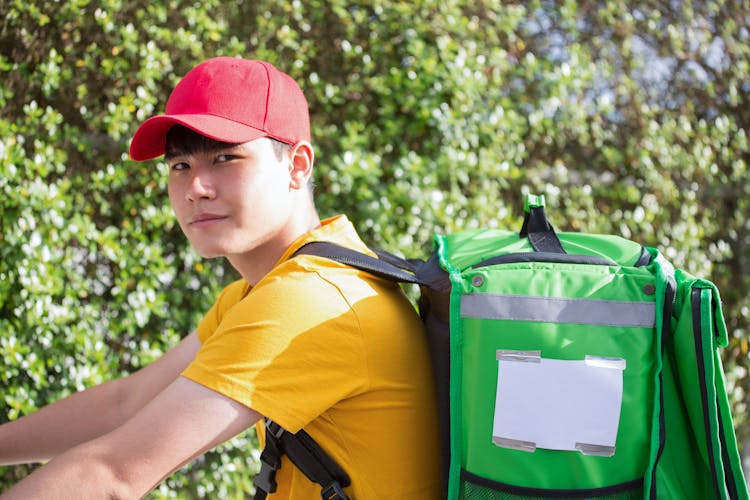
{"points": [[201, 186]]}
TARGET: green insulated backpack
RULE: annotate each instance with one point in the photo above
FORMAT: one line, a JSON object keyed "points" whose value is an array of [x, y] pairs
{"points": [[570, 365]]}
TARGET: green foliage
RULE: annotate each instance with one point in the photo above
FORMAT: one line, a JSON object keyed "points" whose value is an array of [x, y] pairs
{"points": [[427, 117]]}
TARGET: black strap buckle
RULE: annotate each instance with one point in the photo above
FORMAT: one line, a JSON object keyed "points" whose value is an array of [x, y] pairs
{"points": [[333, 492], [265, 478], [274, 429]]}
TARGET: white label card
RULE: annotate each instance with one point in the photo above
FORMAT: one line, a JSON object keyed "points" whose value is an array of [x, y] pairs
{"points": [[557, 404]]}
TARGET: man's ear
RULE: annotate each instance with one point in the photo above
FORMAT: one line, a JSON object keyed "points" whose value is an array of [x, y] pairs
{"points": [[302, 157]]}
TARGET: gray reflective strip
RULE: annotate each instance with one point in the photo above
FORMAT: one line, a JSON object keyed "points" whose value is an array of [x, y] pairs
{"points": [[559, 310]]}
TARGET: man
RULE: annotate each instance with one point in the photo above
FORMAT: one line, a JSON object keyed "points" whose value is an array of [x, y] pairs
{"points": [[304, 341]]}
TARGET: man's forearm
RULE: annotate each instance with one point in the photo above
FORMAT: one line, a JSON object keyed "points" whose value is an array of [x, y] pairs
{"points": [[183, 421], [79, 473], [94, 412], [55, 428]]}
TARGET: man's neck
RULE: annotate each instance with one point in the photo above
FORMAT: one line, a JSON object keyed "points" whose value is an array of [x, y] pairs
{"points": [[254, 265]]}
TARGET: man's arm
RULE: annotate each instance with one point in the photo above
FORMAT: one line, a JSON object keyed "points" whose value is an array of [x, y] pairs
{"points": [[183, 421], [91, 413]]}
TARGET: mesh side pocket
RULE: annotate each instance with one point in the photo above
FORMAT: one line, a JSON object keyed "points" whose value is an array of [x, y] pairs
{"points": [[471, 491], [475, 488]]}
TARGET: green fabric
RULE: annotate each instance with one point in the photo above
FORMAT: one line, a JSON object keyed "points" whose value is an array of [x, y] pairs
{"points": [[664, 275], [693, 363], [441, 248], [474, 371], [681, 469], [466, 248]]}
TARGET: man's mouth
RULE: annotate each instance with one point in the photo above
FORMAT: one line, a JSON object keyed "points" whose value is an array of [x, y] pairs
{"points": [[206, 219]]}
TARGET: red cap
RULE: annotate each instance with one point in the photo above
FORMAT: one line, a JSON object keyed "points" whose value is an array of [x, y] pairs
{"points": [[230, 100]]}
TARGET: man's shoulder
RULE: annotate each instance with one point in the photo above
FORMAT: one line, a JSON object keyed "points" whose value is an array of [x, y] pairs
{"points": [[322, 287], [302, 277], [234, 291]]}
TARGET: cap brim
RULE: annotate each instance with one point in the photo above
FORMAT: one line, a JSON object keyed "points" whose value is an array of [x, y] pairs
{"points": [[149, 141]]}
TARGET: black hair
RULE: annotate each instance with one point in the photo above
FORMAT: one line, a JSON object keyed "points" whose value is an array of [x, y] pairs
{"points": [[182, 140]]}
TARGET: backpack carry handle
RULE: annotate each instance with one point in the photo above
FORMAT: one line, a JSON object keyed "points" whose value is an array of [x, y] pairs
{"points": [[537, 228]]}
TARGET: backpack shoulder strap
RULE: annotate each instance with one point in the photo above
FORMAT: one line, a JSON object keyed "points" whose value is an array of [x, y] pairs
{"points": [[306, 455], [388, 266]]}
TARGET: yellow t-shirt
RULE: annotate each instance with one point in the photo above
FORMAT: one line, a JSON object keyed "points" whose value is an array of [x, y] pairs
{"points": [[336, 351]]}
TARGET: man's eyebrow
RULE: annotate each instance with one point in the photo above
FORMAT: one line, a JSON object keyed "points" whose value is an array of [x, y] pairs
{"points": [[173, 152]]}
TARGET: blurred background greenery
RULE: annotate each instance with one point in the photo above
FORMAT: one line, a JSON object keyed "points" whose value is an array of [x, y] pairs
{"points": [[428, 116]]}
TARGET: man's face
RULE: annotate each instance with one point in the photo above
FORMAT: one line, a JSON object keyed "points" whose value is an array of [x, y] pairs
{"points": [[231, 199]]}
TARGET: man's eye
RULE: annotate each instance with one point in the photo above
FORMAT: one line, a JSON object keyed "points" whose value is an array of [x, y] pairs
{"points": [[176, 167], [223, 158]]}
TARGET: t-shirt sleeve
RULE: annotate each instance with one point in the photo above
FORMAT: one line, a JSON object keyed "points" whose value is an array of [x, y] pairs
{"points": [[290, 349], [229, 296]]}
